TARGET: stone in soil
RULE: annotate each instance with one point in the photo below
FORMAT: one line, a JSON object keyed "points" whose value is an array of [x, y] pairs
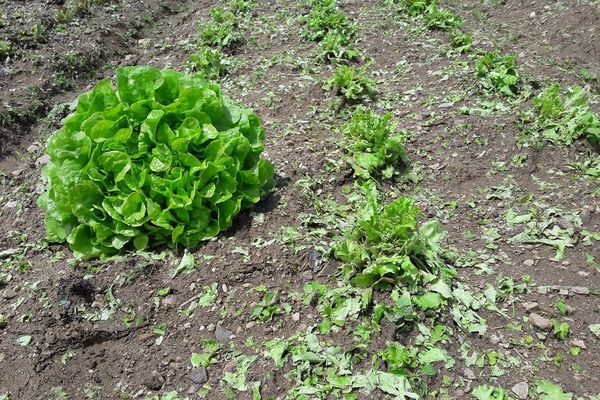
{"points": [[307, 275], [529, 263], [222, 334], [154, 381], [169, 301], [469, 374], [198, 375], [42, 160], [580, 290], [9, 294], [530, 306], [540, 322], [521, 390]]}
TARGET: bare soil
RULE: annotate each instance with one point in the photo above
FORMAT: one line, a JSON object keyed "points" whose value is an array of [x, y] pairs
{"points": [[83, 339]]}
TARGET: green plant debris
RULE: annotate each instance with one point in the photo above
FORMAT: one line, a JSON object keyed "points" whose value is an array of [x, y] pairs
{"points": [[24, 340], [5, 49], [237, 380], [485, 392], [173, 395], [163, 159], [210, 350], [550, 391], [186, 265], [208, 296], [554, 227], [561, 330], [590, 167], [269, 307]]}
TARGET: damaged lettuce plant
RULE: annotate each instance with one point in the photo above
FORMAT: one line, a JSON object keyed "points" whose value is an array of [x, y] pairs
{"points": [[325, 17], [162, 158], [351, 83], [388, 247], [326, 23], [561, 117], [498, 74], [374, 150]]}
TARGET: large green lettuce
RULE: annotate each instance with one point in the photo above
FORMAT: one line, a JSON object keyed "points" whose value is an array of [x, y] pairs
{"points": [[163, 159]]}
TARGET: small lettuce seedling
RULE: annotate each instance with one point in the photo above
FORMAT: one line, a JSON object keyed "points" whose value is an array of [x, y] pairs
{"points": [[387, 245], [434, 16], [442, 19], [461, 41]]}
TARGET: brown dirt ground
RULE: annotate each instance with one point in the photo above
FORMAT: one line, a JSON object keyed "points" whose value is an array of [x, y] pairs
{"points": [[451, 152]]}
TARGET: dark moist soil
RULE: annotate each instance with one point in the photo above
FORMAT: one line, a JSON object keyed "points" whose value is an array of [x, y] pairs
{"points": [[52, 55], [83, 339]]}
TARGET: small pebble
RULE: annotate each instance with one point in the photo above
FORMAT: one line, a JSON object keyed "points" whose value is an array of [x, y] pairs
{"points": [[540, 322], [198, 375], [154, 381], [307, 275], [542, 290], [530, 306], [10, 204], [580, 290], [586, 215], [521, 390], [222, 334], [9, 294], [169, 301], [494, 339], [469, 374], [42, 160], [529, 263]]}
